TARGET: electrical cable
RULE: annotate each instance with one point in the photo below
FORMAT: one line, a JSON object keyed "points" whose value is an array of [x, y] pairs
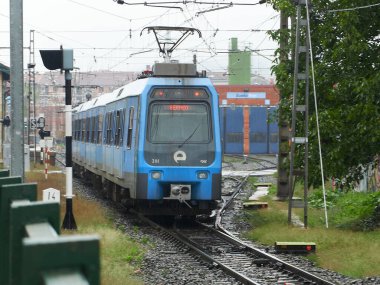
{"points": [[353, 8], [188, 2], [316, 112]]}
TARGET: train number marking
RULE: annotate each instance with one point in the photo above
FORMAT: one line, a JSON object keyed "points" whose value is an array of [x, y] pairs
{"points": [[203, 161], [155, 160]]}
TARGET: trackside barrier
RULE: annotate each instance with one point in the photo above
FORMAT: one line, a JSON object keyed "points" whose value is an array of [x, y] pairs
{"points": [[32, 252]]}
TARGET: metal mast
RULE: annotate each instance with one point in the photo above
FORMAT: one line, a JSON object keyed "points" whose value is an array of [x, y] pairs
{"points": [[31, 85], [300, 111], [17, 88]]}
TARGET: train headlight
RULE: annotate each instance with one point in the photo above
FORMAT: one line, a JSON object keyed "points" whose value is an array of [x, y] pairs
{"points": [[202, 175], [176, 190], [156, 175]]}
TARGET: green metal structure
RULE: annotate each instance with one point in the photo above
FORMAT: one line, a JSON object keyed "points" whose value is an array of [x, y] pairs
{"points": [[33, 252], [239, 65]]}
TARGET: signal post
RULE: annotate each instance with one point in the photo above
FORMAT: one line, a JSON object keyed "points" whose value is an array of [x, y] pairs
{"points": [[63, 59]]}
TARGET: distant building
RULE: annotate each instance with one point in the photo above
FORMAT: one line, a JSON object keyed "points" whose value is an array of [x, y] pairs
{"points": [[50, 93], [4, 92], [248, 95]]}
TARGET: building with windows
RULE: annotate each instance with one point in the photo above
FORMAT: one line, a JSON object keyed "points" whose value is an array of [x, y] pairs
{"points": [[4, 93]]}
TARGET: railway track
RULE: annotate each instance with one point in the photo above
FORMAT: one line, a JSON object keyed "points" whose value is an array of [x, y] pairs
{"points": [[219, 248], [198, 253], [244, 263]]}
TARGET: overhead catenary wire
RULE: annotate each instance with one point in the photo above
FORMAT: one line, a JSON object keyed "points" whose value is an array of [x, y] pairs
{"points": [[353, 8], [188, 2], [89, 50]]}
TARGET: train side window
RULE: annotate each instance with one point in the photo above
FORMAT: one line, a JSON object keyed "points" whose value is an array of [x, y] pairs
{"points": [[93, 138], [109, 128], [122, 123], [83, 129], [88, 127], [74, 130], [78, 129], [130, 127], [117, 130], [100, 127]]}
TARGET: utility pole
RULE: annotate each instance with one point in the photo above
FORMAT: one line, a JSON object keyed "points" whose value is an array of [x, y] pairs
{"points": [[300, 105], [283, 149], [32, 91], [17, 88]]}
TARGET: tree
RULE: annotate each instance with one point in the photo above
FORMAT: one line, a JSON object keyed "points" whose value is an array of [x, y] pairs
{"points": [[346, 49]]}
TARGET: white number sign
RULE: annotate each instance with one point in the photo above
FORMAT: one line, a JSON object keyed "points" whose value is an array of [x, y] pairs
{"points": [[52, 195]]}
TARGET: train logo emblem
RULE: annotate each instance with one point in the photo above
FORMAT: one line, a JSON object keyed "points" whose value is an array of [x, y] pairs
{"points": [[179, 155]]}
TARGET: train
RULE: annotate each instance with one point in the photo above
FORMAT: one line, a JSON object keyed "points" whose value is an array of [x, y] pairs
{"points": [[153, 144]]}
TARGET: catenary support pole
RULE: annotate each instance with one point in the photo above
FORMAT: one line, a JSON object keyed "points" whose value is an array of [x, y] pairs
{"points": [[17, 88], [283, 147], [69, 220]]}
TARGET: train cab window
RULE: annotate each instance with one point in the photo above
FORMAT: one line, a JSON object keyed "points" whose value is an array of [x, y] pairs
{"points": [[179, 123], [130, 127], [100, 128]]}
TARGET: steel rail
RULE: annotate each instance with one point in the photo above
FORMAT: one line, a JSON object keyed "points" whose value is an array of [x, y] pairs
{"points": [[229, 237], [226, 203], [190, 244]]}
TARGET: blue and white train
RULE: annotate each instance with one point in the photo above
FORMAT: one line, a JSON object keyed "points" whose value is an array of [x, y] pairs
{"points": [[153, 144]]}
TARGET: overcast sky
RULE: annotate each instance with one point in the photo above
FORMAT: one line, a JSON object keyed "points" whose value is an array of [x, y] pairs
{"points": [[106, 35]]}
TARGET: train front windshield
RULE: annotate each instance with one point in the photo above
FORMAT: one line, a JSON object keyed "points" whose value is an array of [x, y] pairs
{"points": [[172, 122]]}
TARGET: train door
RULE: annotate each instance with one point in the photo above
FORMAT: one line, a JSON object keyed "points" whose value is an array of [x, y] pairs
{"points": [[259, 129], [118, 141], [75, 136], [108, 153], [233, 130], [82, 145], [130, 143], [88, 142], [92, 139], [99, 139]]}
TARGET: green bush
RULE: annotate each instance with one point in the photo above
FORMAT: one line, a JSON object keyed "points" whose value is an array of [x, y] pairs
{"points": [[357, 211], [316, 198]]}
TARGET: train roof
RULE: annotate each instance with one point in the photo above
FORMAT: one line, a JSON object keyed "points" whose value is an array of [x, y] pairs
{"points": [[137, 87], [131, 89]]}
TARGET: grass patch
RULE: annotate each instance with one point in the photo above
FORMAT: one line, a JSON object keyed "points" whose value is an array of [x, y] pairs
{"points": [[120, 255], [349, 252]]}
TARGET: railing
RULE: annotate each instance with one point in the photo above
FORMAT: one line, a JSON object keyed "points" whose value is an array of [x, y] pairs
{"points": [[32, 252]]}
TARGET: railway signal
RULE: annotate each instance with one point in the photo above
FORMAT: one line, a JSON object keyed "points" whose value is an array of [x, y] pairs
{"points": [[63, 59], [33, 123], [6, 121]]}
